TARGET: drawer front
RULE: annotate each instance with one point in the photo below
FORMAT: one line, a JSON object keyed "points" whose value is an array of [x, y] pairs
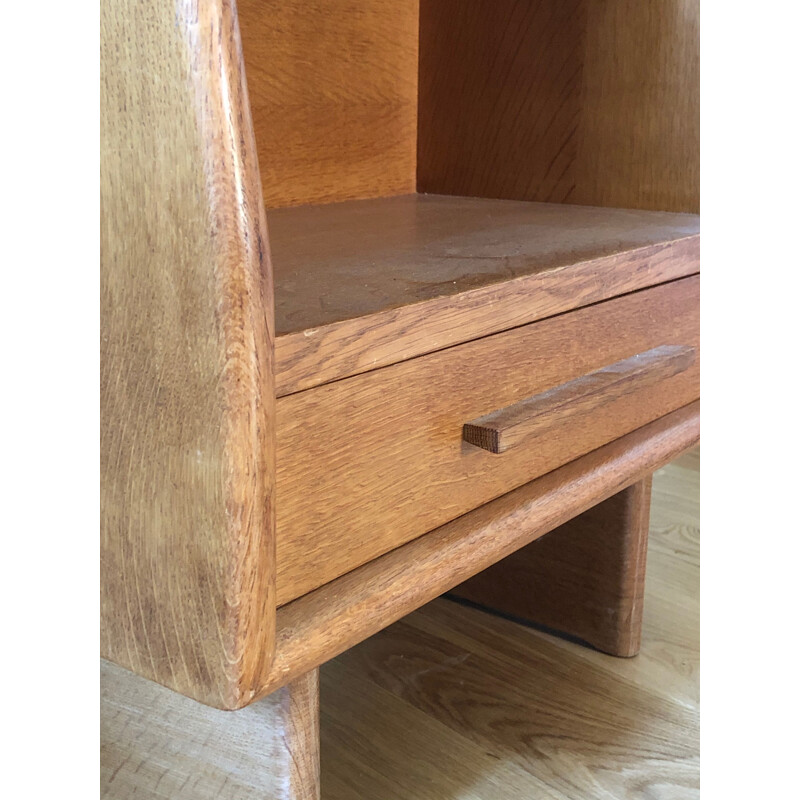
{"points": [[371, 462]]}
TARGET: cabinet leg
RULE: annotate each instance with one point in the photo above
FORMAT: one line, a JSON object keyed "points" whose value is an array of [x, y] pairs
{"points": [[584, 579], [158, 744]]}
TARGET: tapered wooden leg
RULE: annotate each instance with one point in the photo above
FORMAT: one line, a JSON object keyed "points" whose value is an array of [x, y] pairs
{"points": [[159, 744], [584, 579]]}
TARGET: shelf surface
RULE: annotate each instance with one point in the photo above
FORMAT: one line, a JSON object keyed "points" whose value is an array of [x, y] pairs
{"points": [[366, 283]]}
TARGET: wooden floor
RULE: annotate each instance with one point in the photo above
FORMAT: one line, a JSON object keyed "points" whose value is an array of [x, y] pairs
{"points": [[452, 703]]}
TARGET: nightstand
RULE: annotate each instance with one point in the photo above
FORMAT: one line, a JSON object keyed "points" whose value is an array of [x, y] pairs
{"points": [[419, 290]]}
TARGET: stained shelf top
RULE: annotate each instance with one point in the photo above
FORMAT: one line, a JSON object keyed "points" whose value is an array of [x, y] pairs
{"points": [[354, 275]]}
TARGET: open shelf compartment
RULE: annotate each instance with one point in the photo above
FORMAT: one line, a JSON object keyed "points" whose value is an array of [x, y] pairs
{"points": [[436, 171]]}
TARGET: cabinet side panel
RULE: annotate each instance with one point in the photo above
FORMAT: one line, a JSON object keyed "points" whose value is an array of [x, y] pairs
{"points": [[594, 102], [187, 399]]}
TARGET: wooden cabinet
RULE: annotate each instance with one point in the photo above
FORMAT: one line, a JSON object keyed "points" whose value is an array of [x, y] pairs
{"points": [[389, 290]]}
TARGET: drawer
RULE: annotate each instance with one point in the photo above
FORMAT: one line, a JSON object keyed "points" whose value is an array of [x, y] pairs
{"points": [[370, 462]]}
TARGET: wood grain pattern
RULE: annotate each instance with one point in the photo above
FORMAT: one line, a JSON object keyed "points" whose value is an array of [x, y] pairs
{"points": [[586, 578], [187, 396], [325, 622], [386, 478], [500, 710], [333, 87], [592, 102], [159, 745], [377, 745], [514, 425], [365, 284]]}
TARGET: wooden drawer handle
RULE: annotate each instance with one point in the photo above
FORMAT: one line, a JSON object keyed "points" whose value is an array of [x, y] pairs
{"points": [[500, 430]]}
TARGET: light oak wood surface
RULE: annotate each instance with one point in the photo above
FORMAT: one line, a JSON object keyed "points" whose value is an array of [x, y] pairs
{"points": [[594, 102], [361, 285], [322, 623], [159, 745], [585, 579], [455, 703], [389, 442], [333, 88], [340, 614], [186, 388]]}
